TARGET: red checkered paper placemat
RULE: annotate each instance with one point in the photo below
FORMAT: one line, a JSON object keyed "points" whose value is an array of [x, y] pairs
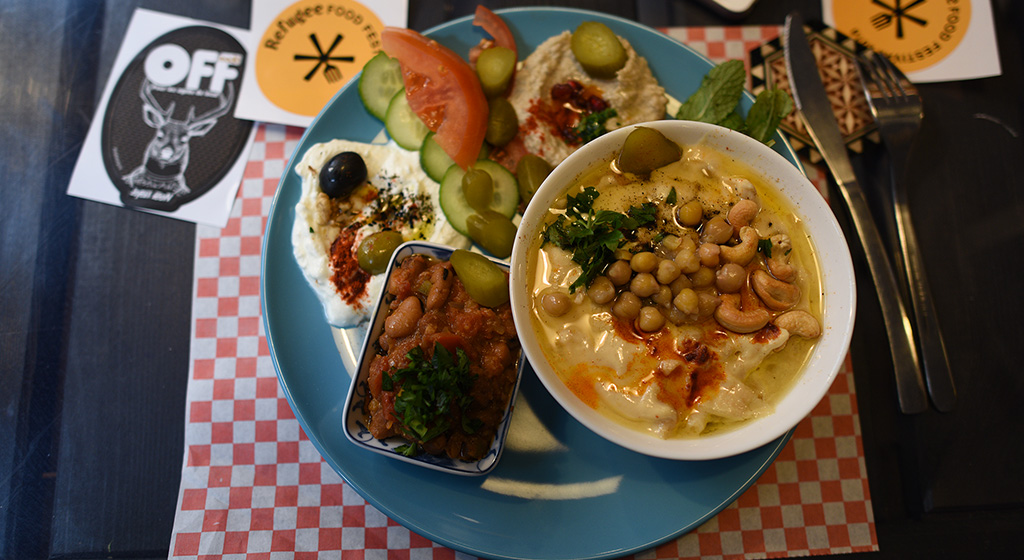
{"points": [[254, 487]]}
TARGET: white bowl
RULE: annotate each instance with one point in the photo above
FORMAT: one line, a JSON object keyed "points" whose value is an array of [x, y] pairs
{"points": [[838, 289], [354, 417]]}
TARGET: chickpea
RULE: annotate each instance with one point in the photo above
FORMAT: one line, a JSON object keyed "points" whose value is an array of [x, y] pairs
{"points": [[668, 271], [402, 321], [687, 259], [691, 213], [664, 296], [703, 277], [675, 316], [717, 230], [707, 302], [644, 285], [627, 307], [669, 244], [556, 304], [644, 261], [601, 290], [730, 278], [619, 272], [709, 254], [650, 319], [686, 301], [680, 283]]}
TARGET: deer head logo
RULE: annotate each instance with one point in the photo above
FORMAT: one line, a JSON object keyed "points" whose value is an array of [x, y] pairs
{"points": [[166, 156]]}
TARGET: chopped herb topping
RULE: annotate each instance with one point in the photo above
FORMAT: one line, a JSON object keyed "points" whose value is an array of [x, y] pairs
{"points": [[594, 125], [593, 236], [426, 392], [765, 246]]}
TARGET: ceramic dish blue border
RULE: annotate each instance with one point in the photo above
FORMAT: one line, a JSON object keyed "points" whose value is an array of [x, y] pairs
{"points": [[354, 418], [560, 491]]}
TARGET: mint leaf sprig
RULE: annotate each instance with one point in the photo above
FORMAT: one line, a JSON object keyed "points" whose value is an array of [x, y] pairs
{"points": [[717, 99]]}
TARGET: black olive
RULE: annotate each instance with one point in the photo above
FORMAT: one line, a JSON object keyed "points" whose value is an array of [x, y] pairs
{"points": [[342, 174]]}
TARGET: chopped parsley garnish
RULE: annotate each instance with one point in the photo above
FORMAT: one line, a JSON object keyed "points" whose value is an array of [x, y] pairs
{"points": [[426, 392], [764, 246], [593, 236], [671, 198], [716, 101], [593, 125]]}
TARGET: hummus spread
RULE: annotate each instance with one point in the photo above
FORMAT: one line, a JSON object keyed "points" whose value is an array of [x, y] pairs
{"points": [[326, 233], [634, 93], [690, 374]]}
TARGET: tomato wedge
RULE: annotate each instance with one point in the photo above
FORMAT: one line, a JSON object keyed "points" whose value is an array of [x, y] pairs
{"points": [[442, 90], [496, 27]]}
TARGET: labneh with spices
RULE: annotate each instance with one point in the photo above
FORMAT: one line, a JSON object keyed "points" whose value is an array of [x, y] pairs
{"points": [[446, 364], [339, 211]]}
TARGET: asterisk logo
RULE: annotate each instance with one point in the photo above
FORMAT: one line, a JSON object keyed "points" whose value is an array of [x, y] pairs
{"points": [[324, 58], [896, 12]]}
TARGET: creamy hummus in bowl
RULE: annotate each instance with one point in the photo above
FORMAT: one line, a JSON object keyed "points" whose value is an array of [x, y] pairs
{"points": [[708, 319]]}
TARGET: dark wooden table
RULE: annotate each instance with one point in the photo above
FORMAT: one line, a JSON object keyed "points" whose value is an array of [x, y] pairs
{"points": [[95, 302]]}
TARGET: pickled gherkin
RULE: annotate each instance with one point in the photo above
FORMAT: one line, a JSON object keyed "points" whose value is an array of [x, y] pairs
{"points": [[502, 122], [598, 50], [493, 231], [485, 281], [495, 68], [645, 150], [478, 188], [530, 173]]}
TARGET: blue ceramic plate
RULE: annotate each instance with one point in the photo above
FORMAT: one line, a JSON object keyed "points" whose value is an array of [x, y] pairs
{"points": [[560, 491]]}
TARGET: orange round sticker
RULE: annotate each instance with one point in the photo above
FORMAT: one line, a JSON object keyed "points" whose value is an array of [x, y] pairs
{"points": [[311, 49], [914, 34]]}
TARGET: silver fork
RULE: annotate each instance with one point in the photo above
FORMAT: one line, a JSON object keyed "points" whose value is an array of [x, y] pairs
{"points": [[896, 106]]}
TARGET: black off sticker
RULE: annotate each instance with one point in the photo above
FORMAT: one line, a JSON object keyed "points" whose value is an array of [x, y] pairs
{"points": [[169, 132]]}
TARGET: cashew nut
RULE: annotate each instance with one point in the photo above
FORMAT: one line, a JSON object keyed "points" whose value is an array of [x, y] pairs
{"points": [[799, 323], [742, 321], [742, 214], [778, 264], [743, 252], [775, 293]]}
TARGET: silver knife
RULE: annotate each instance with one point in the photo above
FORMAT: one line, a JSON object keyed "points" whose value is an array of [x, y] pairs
{"points": [[816, 110]]}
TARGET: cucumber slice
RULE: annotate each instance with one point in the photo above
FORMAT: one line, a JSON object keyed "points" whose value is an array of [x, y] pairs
{"points": [[403, 125], [380, 80], [457, 209], [436, 162], [433, 159]]}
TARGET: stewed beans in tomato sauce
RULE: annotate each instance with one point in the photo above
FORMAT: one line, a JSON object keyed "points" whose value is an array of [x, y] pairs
{"points": [[430, 312]]}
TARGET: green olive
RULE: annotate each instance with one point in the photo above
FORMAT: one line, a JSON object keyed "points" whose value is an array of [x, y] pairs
{"points": [[478, 188], [375, 250], [598, 50], [493, 231], [530, 173], [495, 67], [502, 122], [645, 150], [485, 281]]}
